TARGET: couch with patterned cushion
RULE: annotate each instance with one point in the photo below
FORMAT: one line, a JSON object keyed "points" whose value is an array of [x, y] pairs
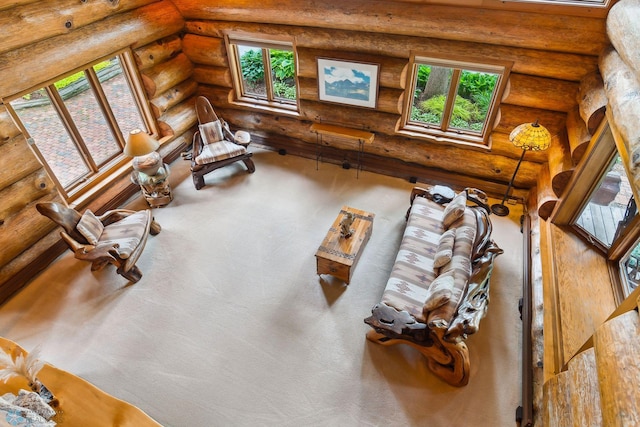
{"points": [[438, 289]]}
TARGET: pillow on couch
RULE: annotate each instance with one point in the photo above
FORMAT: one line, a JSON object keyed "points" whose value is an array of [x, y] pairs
{"points": [[90, 227], [439, 292], [445, 249], [454, 210]]}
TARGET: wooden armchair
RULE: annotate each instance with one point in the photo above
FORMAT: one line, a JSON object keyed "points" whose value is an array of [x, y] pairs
{"points": [[117, 237], [214, 146]]}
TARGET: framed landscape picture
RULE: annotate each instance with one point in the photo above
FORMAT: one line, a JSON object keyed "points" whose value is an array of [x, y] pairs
{"points": [[346, 82]]}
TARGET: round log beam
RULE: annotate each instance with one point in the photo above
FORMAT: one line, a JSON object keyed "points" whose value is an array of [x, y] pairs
{"points": [[623, 29], [577, 134], [560, 164], [157, 52], [592, 101]]}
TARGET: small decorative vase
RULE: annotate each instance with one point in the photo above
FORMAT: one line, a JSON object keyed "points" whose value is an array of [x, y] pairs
{"points": [[345, 225]]}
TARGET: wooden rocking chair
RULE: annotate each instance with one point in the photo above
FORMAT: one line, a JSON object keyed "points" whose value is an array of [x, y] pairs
{"points": [[214, 146], [116, 237]]}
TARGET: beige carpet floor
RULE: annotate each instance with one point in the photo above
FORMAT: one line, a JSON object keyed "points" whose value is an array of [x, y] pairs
{"points": [[231, 326]]}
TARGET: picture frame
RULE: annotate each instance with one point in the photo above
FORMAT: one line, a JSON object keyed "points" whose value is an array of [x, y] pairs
{"points": [[348, 82]]}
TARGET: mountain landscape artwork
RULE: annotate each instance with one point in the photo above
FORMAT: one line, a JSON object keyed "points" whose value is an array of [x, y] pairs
{"points": [[347, 82]]}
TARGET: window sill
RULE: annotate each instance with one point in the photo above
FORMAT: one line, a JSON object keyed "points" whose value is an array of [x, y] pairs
{"points": [[445, 139], [270, 108], [98, 188]]}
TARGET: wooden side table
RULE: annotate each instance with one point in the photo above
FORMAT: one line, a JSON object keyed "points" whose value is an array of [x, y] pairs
{"points": [[338, 255]]}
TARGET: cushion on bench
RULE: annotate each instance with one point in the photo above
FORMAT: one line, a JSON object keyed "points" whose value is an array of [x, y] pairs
{"points": [[413, 272], [460, 264]]}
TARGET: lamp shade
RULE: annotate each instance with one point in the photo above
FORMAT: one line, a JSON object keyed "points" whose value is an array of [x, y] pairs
{"points": [[140, 143], [531, 137]]}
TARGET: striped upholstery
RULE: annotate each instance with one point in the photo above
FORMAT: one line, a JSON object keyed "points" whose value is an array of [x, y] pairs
{"points": [[413, 271], [127, 233], [460, 264], [220, 150]]}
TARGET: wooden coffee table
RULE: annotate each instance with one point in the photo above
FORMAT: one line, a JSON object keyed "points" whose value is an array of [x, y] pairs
{"points": [[338, 255]]}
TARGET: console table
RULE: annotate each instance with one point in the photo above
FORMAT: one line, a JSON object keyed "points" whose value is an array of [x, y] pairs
{"points": [[363, 137]]}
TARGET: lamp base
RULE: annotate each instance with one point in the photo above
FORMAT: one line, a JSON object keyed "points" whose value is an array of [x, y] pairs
{"points": [[500, 209]]}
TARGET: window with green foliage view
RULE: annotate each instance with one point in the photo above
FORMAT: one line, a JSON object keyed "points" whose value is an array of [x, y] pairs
{"points": [[267, 74], [450, 100]]}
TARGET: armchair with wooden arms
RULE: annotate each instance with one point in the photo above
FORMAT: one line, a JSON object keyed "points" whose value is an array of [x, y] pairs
{"points": [[116, 237], [215, 146]]}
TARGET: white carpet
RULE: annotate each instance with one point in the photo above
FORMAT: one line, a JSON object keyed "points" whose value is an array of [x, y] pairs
{"points": [[231, 326]]}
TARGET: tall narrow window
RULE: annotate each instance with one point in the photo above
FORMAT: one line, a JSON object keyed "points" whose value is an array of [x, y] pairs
{"points": [[264, 72], [601, 207], [79, 123], [603, 215], [452, 100]]}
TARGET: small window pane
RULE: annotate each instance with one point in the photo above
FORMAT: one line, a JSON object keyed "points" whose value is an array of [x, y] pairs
{"points": [[89, 119], [475, 92], [282, 75], [51, 138], [120, 97], [606, 208], [630, 265], [430, 97], [252, 69]]}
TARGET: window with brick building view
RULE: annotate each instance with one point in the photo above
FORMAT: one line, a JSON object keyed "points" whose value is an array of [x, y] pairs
{"points": [[78, 124]]}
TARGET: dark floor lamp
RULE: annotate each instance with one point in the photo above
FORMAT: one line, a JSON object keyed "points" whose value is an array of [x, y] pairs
{"points": [[529, 137]]}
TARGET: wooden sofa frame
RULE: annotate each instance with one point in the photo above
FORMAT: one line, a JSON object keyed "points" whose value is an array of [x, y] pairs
{"points": [[445, 350]]}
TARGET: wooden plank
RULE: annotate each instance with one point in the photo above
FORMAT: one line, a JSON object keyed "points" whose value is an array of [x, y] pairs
{"points": [[598, 224], [623, 29], [562, 33], [585, 389], [617, 350], [557, 401], [33, 22], [532, 62], [581, 308], [22, 68], [343, 132], [16, 161]]}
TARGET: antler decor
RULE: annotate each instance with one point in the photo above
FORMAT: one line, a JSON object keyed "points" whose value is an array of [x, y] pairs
{"points": [[27, 367]]}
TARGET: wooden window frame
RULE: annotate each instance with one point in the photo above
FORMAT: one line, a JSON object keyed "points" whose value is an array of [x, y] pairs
{"points": [[98, 176], [270, 102], [605, 144], [446, 134]]}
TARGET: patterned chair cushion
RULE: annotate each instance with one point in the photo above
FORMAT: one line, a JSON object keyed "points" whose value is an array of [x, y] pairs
{"points": [[220, 150], [127, 233], [90, 227], [211, 132]]}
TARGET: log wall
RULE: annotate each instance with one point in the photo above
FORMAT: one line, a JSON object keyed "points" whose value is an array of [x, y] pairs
{"points": [[545, 77], [42, 42]]}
